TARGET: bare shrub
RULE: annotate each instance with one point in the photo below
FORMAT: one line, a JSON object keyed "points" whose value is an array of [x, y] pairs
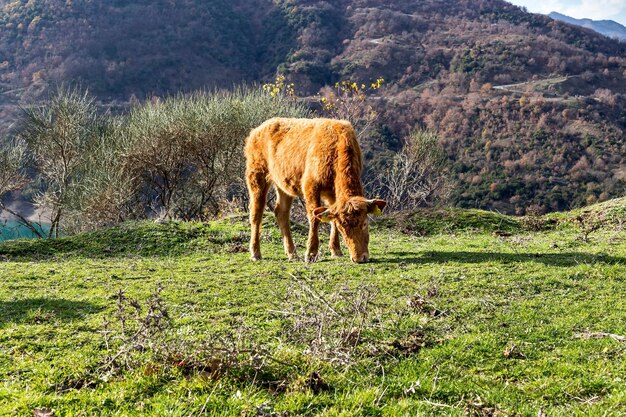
{"points": [[588, 225], [339, 323], [133, 331], [188, 151], [417, 176], [143, 335], [59, 136], [329, 323], [534, 220], [332, 323]]}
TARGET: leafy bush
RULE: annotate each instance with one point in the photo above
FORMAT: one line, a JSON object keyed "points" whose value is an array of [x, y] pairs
{"points": [[59, 136], [12, 155], [107, 193], [13, 178], [176, 158], [187, 152]]}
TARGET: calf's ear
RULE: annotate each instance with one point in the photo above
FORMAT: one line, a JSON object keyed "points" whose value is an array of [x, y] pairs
{"points": [[323, 214], [376, 207]]}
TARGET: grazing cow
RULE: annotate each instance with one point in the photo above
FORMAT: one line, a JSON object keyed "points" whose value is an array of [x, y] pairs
{"points": [[317, 159]]}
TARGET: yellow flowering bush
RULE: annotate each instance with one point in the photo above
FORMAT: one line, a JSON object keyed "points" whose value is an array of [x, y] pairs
{"points": [[348, 100], [280, 87]]}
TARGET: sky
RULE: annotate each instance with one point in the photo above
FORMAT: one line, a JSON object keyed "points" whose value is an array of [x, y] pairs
{"points": [[590, 9]]}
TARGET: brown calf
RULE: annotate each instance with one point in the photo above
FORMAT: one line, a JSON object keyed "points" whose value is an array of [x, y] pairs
{"points": [[317, 159]]}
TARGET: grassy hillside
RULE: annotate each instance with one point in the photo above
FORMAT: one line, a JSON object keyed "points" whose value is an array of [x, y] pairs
{"points": [[460, 313]]}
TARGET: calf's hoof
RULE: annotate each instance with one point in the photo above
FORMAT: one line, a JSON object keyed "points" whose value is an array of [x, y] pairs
{"points": [[255, 257], [311, 257], [336, 253]]}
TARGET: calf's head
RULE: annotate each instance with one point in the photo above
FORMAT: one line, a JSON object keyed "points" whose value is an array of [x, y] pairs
{"points": [[350, 217]]}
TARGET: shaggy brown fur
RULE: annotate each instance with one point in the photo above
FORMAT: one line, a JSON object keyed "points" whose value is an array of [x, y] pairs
{"points": [[316, 159]]}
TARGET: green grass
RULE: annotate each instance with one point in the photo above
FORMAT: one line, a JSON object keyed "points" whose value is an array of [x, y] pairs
{"points": [[472, 313]]}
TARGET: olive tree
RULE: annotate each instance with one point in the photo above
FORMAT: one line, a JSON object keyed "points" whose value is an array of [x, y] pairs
{"points": [[188, 150], [58, 135]]}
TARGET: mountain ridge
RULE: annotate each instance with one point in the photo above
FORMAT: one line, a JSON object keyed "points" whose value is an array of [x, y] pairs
{"points": [[607, 27]]}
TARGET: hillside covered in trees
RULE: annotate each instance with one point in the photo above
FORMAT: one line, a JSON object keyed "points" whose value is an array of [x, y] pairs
{"points": [[529, 110]]}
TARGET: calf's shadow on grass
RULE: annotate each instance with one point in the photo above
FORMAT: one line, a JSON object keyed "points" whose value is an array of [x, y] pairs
{"points": [[44, 310], [564, 259]]}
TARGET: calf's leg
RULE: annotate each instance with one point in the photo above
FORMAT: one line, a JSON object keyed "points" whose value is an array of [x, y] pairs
{"points": [[313, 242], [335, 247], [282, 209], [312, 201], [257, 190]]}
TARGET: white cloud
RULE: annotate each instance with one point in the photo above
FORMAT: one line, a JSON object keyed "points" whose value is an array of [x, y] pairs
{"points": [[548, 6]]}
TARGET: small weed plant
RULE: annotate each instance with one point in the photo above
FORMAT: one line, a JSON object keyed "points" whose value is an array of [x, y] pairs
{"points": [[144, 336]]}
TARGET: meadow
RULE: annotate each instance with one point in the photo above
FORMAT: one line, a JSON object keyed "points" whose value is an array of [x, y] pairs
{"points": [[460, 312]]}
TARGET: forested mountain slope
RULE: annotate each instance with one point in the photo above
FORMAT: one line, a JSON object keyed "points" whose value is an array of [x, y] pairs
{"points": [[530, 110]]}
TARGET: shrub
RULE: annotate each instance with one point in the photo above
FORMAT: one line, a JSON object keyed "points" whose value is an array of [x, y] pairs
{"points": [[107, 194], [349, 101], [417, 176], [176, 158], [59, 135], [142, 335], [338, 324], [188, 151], [12, 176]]}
